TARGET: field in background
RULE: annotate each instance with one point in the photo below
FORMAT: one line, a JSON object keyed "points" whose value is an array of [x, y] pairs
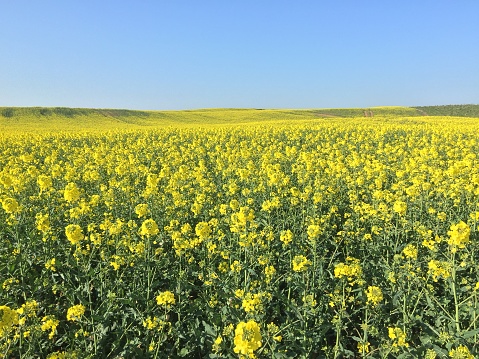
{"points": [[238, 234], [38, 119]]}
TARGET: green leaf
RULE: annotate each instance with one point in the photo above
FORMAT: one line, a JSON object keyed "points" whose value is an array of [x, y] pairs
{"points": [[183, 352], [209, 330], [470, 333]]}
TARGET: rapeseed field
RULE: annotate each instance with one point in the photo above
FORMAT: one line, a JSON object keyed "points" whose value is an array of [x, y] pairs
{"points": [[272, 238]]}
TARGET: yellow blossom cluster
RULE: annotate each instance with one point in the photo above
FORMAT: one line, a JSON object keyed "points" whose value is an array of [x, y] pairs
{"points": [[397, 336], [166, 299], [374, 295], [285, 223], [352, 270], [247, 338], [75, 312]]}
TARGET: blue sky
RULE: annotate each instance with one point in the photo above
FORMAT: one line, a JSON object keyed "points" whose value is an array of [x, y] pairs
{"points": [[179, 54]]}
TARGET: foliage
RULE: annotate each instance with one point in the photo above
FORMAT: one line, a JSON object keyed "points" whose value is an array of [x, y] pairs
{"points": [[8, 112], [337, 238], [450, 110]]}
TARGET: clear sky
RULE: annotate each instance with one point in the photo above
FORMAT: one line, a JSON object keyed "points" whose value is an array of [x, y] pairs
{"points": [[186, 54]]}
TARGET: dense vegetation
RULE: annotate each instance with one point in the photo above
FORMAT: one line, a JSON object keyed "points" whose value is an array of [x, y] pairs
{"points": [[450, 110], [318, 238], [28, 114]]}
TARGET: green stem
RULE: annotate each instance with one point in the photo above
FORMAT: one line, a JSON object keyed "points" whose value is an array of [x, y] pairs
{"points": [[179, 291], [454, 292], [365, 332], [338, 325]]}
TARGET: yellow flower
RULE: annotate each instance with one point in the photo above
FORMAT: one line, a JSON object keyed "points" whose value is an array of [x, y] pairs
{"points": [[203, 230], [286, 237], [363, 347], [458, 236], [269, 271], [239, 293], [8, 283], [166, 299], [252, 303], [350, 271], [74, 233], [410, 251], [149, 228], [50, 264], [151, 323], [309, 300], [10, 205], [141, 210], [400, 207], [42, 222], [235, 267], [75, 312], [374, 295], [63, 355], [49, 322], [247, 338], [115, 228], [398, 337], [8, 318], [313, 231], [300, 263], [461, 352], [442, 216], [217, 343], [71, 192], [28, 309], [438, 269], [6, 180], [44, 182]]}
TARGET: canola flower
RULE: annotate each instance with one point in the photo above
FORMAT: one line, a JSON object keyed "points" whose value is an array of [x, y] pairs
{"points": [[8, 319], [458, 236], [251, 302], [50, 264], [203, 230], [410, 251], [363, 347], [461, 352], [49, 323], [280, 222], [75, 312], [439, 269], [149, 228], [141, 210], [71, 192], [397, 336], [351, 271], [247, 338], [300, 263], [29, 308], [374, 295], [74, 233], [286, 237], [44, 182], [43, 222], [10, 205], [166, 299], [400, 207]]}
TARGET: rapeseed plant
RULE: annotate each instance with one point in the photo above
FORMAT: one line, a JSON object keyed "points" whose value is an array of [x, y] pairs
{"points": [[356, 238]]}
